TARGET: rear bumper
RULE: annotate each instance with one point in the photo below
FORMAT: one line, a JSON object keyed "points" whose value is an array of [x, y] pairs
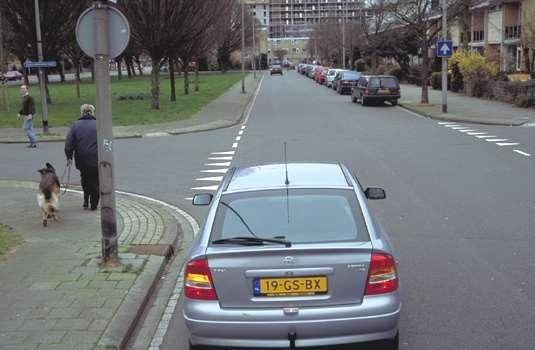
{"points": [[382, 97], [346, 89], [376, 318]]}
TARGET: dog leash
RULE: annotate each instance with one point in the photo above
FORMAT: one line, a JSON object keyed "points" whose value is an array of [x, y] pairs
{"points": [[67, 170]]}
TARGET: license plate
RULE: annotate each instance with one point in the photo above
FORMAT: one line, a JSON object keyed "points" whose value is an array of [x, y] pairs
{"points": [[294, 286], [384, 92]]}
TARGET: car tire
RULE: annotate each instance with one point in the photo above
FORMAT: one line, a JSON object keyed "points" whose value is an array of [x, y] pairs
{"points": [[394, 102], [363, 101], [391, 344], [354, 99]]}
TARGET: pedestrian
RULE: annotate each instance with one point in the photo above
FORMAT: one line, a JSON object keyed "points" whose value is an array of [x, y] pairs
{"points": [[82, 141], [26, 113]]}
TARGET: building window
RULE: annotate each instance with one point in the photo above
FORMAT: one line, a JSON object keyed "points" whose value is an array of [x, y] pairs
{"points": [[265, 22], [478, 35]]}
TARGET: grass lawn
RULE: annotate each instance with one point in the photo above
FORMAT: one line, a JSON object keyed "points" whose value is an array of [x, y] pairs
{"points": [[65, 107], [9, 239]]}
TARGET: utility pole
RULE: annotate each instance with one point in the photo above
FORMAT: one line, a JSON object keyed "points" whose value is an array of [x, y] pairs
{"points": [[105, 135], [444, 59], [344, 36], [42, 86], [254, 48]]}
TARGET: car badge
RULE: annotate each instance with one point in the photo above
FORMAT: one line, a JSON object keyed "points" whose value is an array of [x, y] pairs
{"points": [[288, 260]]}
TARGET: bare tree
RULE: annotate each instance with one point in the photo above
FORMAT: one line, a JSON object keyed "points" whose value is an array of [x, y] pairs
{"points": [[528, 40]]}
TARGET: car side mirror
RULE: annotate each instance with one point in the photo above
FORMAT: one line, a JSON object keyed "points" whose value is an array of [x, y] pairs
{"points": [[375, 193], [202, 199]]}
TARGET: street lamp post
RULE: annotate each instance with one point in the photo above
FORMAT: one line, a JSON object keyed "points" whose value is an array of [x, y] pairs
{"points": [[344, 36], [254, 48], [242, 47], [444, 59], [42, 87]]}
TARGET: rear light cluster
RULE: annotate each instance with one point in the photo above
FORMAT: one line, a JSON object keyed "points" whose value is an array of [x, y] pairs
{"points": [[198, 282], [382, 274]]}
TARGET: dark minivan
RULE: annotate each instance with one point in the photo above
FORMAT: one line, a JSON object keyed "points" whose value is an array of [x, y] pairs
{"points": [[377, 88]]}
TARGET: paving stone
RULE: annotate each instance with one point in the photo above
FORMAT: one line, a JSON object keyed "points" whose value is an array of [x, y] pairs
{"points": [[113, 303], [12, 337], [38, 325], [44, 285], [24, 346], [45, 337], [73, 285], [10, 325], [72, 324], [68, 312], [98, 325], [97, 313], [126, 276], [102, 284], [124, 285], [81, 337], [88, 302]]}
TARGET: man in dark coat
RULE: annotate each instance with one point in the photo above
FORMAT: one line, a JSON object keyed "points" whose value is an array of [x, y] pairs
{"points": [[82, 141], [26, 113]]}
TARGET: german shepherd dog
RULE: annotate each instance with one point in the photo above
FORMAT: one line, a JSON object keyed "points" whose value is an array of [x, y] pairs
{"points": [[48, 195]]}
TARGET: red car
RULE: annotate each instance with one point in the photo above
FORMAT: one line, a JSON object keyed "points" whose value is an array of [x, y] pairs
{"points": [[319, 75]]}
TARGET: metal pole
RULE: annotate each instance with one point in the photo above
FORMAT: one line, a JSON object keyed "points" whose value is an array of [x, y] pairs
{"points": [[444, 59], [2, 55], [42, 86], [242, 48], [254, 48], [344, 37], [105, 135]]}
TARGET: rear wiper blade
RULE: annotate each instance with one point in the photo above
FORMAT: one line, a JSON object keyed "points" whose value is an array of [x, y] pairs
{"points": [[251, 241]]}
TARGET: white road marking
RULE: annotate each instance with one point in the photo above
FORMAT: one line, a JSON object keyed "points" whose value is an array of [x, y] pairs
{"points": [[212, 178], [476, 133], [507, 143], [457, 127], [485, 136], [218, 164], [206, 188], [522, 153], [238, 138], [235, 145], [219, 171], [243, 127], [220, 158], [445, 123], [467, 130], [224, 153], [253, 102], [408, 111], [496, 140], [452, 125], [240, 132]]}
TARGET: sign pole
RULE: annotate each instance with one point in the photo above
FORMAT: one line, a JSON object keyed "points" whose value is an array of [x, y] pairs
{"points": [[105, 135], [254, 48], [242, 47], [444, 59], [42, 87]]}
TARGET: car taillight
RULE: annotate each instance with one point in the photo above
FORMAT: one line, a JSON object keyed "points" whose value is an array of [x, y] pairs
{"points": [[198, 283], [382, 274]]}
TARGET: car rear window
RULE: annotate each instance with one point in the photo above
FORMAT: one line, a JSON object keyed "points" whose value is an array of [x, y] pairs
{"points": [[298, 215], [384, 82], [351, 75]]}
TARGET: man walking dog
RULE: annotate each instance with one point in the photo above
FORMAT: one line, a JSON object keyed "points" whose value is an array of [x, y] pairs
{"points": [[82, 141], [26, 113]]}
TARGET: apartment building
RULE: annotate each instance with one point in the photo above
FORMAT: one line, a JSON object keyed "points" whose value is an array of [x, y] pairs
{"points": [[290, 23], [496, 29]]}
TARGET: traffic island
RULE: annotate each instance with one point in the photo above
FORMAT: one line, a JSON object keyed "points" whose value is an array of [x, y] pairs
{"points": [[55, 294]]}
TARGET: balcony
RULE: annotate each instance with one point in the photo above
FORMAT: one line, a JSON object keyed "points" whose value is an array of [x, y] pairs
{"points": [[513, 32]]}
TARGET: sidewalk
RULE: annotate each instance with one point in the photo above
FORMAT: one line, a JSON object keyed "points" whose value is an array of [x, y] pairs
{"points": [[465, 109], [54, 295], [227, 110]]}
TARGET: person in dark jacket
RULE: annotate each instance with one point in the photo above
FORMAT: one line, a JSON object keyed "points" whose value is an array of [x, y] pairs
{"points": [[26, 113], [82, 142]]}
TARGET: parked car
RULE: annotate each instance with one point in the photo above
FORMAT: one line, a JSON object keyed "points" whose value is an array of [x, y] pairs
{"points": [[337, 78], [319, 77], [13, 75], [376, 88], [312, 71], [347, 81], [275, 69], [290, 255], [329, 77]]}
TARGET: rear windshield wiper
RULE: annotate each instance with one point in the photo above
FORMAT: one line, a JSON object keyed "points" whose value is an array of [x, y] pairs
{"points": [[251, 241]]}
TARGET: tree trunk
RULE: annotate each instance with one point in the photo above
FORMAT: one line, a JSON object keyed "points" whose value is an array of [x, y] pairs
{"points": [[119, 68], [62, 70], [77, 78], [128, 70], [425, 75], [197, 76], [186, 78], [172, 79], [155, 83]]}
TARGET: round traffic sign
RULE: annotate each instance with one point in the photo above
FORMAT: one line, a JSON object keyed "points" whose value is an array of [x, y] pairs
{"points": [[118, 32]]}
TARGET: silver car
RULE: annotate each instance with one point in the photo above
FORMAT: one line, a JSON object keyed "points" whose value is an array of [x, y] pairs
{"points": [[291, 256]]}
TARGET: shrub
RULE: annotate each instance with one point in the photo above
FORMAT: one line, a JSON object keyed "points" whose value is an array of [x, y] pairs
{"points": [[457, 82], [436, 80], [360, 65], [398, 73], [476, 70]]}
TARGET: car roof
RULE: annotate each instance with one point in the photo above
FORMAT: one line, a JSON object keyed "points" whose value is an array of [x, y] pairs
{"points": [[310, 175]]}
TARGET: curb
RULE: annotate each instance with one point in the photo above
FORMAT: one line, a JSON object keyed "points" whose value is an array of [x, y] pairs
{"points": [[454, 118], [220, 124]]}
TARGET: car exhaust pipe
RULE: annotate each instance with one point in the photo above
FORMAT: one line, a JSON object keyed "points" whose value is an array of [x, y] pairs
{"points": [[292, 337]]}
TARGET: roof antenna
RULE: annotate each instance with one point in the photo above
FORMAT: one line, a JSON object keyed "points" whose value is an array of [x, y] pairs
{"points": [[286, 182]]}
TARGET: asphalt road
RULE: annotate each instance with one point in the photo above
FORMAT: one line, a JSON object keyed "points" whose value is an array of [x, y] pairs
{"points": [[460, 209]]}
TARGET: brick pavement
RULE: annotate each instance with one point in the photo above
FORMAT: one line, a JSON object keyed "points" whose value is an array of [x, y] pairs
{"points": [[53, 294]]}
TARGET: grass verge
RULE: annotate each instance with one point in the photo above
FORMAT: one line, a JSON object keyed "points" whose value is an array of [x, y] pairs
{"points": [[65, 107], [9, 239]]}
